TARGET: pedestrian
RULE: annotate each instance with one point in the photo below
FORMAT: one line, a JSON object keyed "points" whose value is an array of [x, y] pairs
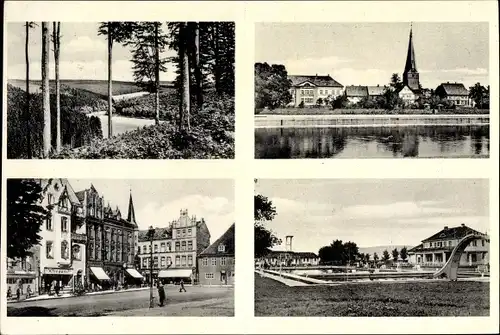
{"points": [[28, 291], [56, 288], [182, 286], [161, 293], [9, 293], [18, 293]]}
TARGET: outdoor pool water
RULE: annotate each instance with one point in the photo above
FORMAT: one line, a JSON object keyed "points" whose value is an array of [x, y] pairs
{"points": [[374, 142]]}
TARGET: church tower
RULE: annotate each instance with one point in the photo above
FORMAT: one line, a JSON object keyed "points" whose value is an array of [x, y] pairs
{"points": [[131, 211], [410, 74]]}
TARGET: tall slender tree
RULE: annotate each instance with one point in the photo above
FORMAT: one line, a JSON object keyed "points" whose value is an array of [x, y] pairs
{"points": [[116, 32], [199, 88], [46, 89], [56, 40], [184, 57], [157, 72], [28, 25]]}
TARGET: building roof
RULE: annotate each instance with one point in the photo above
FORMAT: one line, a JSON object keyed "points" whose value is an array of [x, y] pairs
{"points": [[416, 248], [315, 80], [454, 89], [294, 254], [131, 211], [376, 90], [411, 63], [452, 233], [227, 239], [160, 234], [356, 91]]}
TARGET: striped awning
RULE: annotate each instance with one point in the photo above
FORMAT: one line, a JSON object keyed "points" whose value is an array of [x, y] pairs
{"points": [[99, 273], [134, 273], [175, 273]]}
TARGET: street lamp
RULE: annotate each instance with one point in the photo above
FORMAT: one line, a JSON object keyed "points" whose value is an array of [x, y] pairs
{"points": [[151, 234]]}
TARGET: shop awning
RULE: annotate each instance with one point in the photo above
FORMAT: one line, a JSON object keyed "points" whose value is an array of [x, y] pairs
{"points": [[134, 273], [99, 273], [175, 273]]}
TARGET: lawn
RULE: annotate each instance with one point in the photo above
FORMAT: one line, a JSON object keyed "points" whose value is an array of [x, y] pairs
{"points": [[372, 299]]}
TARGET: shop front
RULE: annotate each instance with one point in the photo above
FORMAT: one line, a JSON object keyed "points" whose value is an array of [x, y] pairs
{"points": [[133, 277], [56, 278], [172, 276], [98, 278]]}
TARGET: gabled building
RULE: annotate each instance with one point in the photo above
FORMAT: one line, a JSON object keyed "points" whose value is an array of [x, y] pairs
{"points": [[216, 263], [408, 95], [290, 258], [308, 89], [175, 249], [376, 91], [436, 249], [455, 93], [355, 94], [111, 242]]}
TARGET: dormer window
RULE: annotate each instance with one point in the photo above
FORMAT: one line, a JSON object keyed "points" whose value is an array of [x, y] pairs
{"points": [[222, 248]]}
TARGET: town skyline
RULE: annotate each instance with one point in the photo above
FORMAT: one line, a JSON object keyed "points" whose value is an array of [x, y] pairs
{"points": [[84, 54], [368, 53], [372, 212], [158, 202]]}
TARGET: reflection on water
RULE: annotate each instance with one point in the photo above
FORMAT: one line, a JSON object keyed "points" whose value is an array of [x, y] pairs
{"points": [[373, 142]]}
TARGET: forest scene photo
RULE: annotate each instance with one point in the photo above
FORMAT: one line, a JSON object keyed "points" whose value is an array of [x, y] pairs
{"points": [[115, 90]]}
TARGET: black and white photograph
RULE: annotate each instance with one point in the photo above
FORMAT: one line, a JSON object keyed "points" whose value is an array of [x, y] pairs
{"points": [[124, 90], [372, 247], [117, 247], [372, 90]]}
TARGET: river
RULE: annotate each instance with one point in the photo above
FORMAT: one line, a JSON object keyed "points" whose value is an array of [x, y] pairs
{"points": [[374, 142]]}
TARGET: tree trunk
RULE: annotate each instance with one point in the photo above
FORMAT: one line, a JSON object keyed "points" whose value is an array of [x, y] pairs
{"points": [[216, 58], [199, 89], [185, 77], [110, 81], [57, 39], [46, 89], [157, 76], [27, 116]]}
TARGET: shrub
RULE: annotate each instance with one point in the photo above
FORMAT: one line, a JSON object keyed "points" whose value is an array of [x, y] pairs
{"points": [[76, 128]]}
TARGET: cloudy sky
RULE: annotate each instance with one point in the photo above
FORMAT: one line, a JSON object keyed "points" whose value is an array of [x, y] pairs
{"points": [[157, 202], [84, 54], [368, 53], [373, 212]]}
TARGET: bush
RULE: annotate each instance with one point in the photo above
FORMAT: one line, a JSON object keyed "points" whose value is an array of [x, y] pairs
{"points": [[76, 128], [211, 136]]}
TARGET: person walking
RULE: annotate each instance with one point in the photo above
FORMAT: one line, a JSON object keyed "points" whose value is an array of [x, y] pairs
{"points": [[182, 286], [28, 291], [9, 293], [18, 293], [161, 293]]}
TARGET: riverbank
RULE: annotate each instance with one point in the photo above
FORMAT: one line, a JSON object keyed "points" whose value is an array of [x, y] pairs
{"points": [[367, 120], [369, 111]]}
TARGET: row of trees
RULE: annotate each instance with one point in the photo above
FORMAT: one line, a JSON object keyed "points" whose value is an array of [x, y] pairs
{"points": [[205, 62]]}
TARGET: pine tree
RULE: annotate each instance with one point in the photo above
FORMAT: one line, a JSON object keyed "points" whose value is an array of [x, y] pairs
{"points": [[46, 89], [56, 40]]}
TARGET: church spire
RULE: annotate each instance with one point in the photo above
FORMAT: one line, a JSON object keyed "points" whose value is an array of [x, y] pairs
{"points": [[131, 211], [410, 74]]}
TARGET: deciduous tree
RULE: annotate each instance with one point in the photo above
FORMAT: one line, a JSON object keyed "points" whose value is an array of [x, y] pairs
{"points": [[264, 238], [404, 254]]}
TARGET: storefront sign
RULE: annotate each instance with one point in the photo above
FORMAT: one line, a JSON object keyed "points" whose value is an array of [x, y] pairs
{"points": [[57, 271]]}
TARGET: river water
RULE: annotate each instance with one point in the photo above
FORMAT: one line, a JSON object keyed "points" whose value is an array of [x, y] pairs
{"points": [[373, 142]]}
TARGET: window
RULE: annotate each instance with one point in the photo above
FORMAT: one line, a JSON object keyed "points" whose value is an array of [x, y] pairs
{"points": [[223, 261], [49, 251], [190, 245], [48, 223], [204, 261], [183, 246], [49, 199], [209, 276], [156, 248], [145, 262], [214, 261], [169, 246], [190, 260], [162, 262], [179, 233], [155, 261], [138, 250], [482, 243], [118, 256], [64, 224], [149, 248], [177, 246], [184, 233], [183, 261], [449, 243], [162, 247], [169, 261], [190, 231], [64, 250], [76, 252], [474, 243], [222, 248], [177, 260]]}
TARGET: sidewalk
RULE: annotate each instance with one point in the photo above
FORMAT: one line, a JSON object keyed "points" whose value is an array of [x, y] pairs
{"points": [[210, 307], [69, 295]]}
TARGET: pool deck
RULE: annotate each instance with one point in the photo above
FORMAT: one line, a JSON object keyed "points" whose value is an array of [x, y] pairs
{"points": [[364, 120]]}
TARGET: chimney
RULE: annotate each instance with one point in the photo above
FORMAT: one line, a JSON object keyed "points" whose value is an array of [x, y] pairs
{"points": [[445, 227], [463, 224]]}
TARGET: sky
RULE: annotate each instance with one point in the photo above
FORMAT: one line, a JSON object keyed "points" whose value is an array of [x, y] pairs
{"points": [[372, 212], [368, 53], [158, 202], [84, 54]]}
